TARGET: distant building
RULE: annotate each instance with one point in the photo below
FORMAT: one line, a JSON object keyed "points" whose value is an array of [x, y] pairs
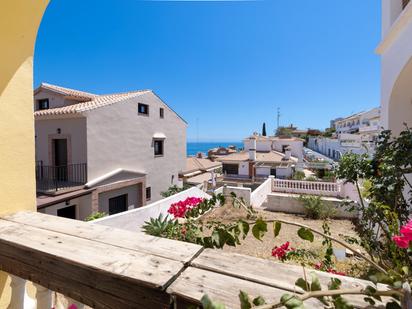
{"points": [[356, 133], [106, 153], [263, 156]]}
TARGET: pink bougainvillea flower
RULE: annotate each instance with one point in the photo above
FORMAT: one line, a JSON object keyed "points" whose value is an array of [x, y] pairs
{"points": [[280, 252], [179, 209], [401, 241], [72, 306]]}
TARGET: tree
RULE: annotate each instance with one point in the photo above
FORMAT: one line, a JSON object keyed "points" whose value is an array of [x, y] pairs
{"points": [[284, 132], [264, 129]]}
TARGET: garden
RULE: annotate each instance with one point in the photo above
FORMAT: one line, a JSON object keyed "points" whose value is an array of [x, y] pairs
{"points": [[379, 242]]}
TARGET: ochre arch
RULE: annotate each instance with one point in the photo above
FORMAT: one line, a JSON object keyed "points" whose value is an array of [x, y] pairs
{"points": [[400, 103], [19, 22]]}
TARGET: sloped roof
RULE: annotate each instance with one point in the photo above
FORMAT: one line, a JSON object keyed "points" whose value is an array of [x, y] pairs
{"points": [[199, 164], [93, 103], [76, 94], [261, 156]]}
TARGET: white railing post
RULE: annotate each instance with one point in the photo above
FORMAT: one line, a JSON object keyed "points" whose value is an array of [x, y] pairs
{"points": [[19, 298], [43, 297]]}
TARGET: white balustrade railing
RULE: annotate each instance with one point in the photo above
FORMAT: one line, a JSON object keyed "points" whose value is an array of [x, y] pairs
{"points": [[306, 187], [43, 297]]}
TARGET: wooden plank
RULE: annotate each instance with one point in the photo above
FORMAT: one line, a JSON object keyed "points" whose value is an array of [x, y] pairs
{"points": [[193, 283], [127, 274], [175, 250], [270, 273], [82, 293]]}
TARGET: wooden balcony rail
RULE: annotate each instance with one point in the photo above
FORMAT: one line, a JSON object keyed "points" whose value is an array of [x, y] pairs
{"points": [[109, 268], [306, 187]]}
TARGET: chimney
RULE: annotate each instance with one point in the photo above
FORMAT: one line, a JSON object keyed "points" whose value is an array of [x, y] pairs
{"points": [[199, 155], [252, 149], [288, 153]]}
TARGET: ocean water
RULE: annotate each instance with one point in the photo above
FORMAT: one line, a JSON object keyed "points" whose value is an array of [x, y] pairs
{"points": [[193, 148]]}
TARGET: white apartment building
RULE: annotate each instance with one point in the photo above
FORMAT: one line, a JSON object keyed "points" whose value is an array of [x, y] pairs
{"points": [[395, 49], [356, 133], [263, 156], [107, 153]]}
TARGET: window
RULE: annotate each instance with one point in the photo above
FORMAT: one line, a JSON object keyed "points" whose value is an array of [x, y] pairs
{"points": [[162, 113], [158, 147], [148, 193], [43, 104], [143, 109]]}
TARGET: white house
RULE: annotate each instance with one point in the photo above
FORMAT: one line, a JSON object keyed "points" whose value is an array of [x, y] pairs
{"points": [[263, 156], [395, 49], [116, 151], [356, 133]]}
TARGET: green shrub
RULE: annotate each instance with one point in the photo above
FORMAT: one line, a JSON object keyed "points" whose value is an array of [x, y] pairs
{"points": [[160, 226], [95, 215], [311, 178], [174, 189], [298, 175], [316, 208]]}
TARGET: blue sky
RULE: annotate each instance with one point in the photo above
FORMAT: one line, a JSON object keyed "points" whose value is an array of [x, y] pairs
{"points": [[223, 66]]}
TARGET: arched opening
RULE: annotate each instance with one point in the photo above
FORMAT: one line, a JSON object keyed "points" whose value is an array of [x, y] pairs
{"points": [[400, 104]]}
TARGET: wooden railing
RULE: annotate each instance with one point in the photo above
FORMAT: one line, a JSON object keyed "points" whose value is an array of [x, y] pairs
{"points": [[306, 187], [107, 268]]}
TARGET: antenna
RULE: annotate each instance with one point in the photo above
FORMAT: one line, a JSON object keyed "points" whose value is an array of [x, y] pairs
{"points": [[278, 117]]}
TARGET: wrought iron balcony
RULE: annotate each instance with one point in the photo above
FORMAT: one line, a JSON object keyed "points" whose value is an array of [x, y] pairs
{"points": [[55, 178]]}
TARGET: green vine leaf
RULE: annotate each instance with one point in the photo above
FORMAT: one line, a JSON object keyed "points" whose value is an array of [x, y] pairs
{"points": [[291, 302], [305, 234], [259, 229], [276, 228], [207, 303], [302, 283], [244, 300], [315, 285], [243, 227], [259, 301]]}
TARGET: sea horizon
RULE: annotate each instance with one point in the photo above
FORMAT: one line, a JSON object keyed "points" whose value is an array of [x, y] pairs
{"points": [[195, 147]]}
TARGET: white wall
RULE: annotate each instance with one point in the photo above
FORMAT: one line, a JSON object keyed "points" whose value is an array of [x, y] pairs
{"points": [[240, 192], [296, 147], [262, 171], [258, 197], [284, 172], [75, 127], [289, 203], [244, 168], [396, 52], [83, 207], [120, 138], [132, 197], [132, 220]]}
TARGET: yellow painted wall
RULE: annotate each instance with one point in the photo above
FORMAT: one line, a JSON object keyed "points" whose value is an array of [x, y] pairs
{"points": [[19, 22]]}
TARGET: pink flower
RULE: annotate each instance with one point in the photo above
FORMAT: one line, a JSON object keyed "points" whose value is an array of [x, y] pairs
{"points": [[179, 209], [72, 306], [280, 252], [401, 241]]}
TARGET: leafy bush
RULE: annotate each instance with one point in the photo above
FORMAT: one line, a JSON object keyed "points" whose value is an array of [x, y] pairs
{"points": [[160, 226], [174, 189], [316, 208], [298, 175], [329, 176], [311, 178], [95, 215]]}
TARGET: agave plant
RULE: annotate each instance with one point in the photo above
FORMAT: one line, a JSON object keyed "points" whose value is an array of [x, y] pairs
{"points": [[162, 226]]}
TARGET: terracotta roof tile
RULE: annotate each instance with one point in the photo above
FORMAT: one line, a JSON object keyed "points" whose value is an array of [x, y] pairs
{"points": [[92, 103]]}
